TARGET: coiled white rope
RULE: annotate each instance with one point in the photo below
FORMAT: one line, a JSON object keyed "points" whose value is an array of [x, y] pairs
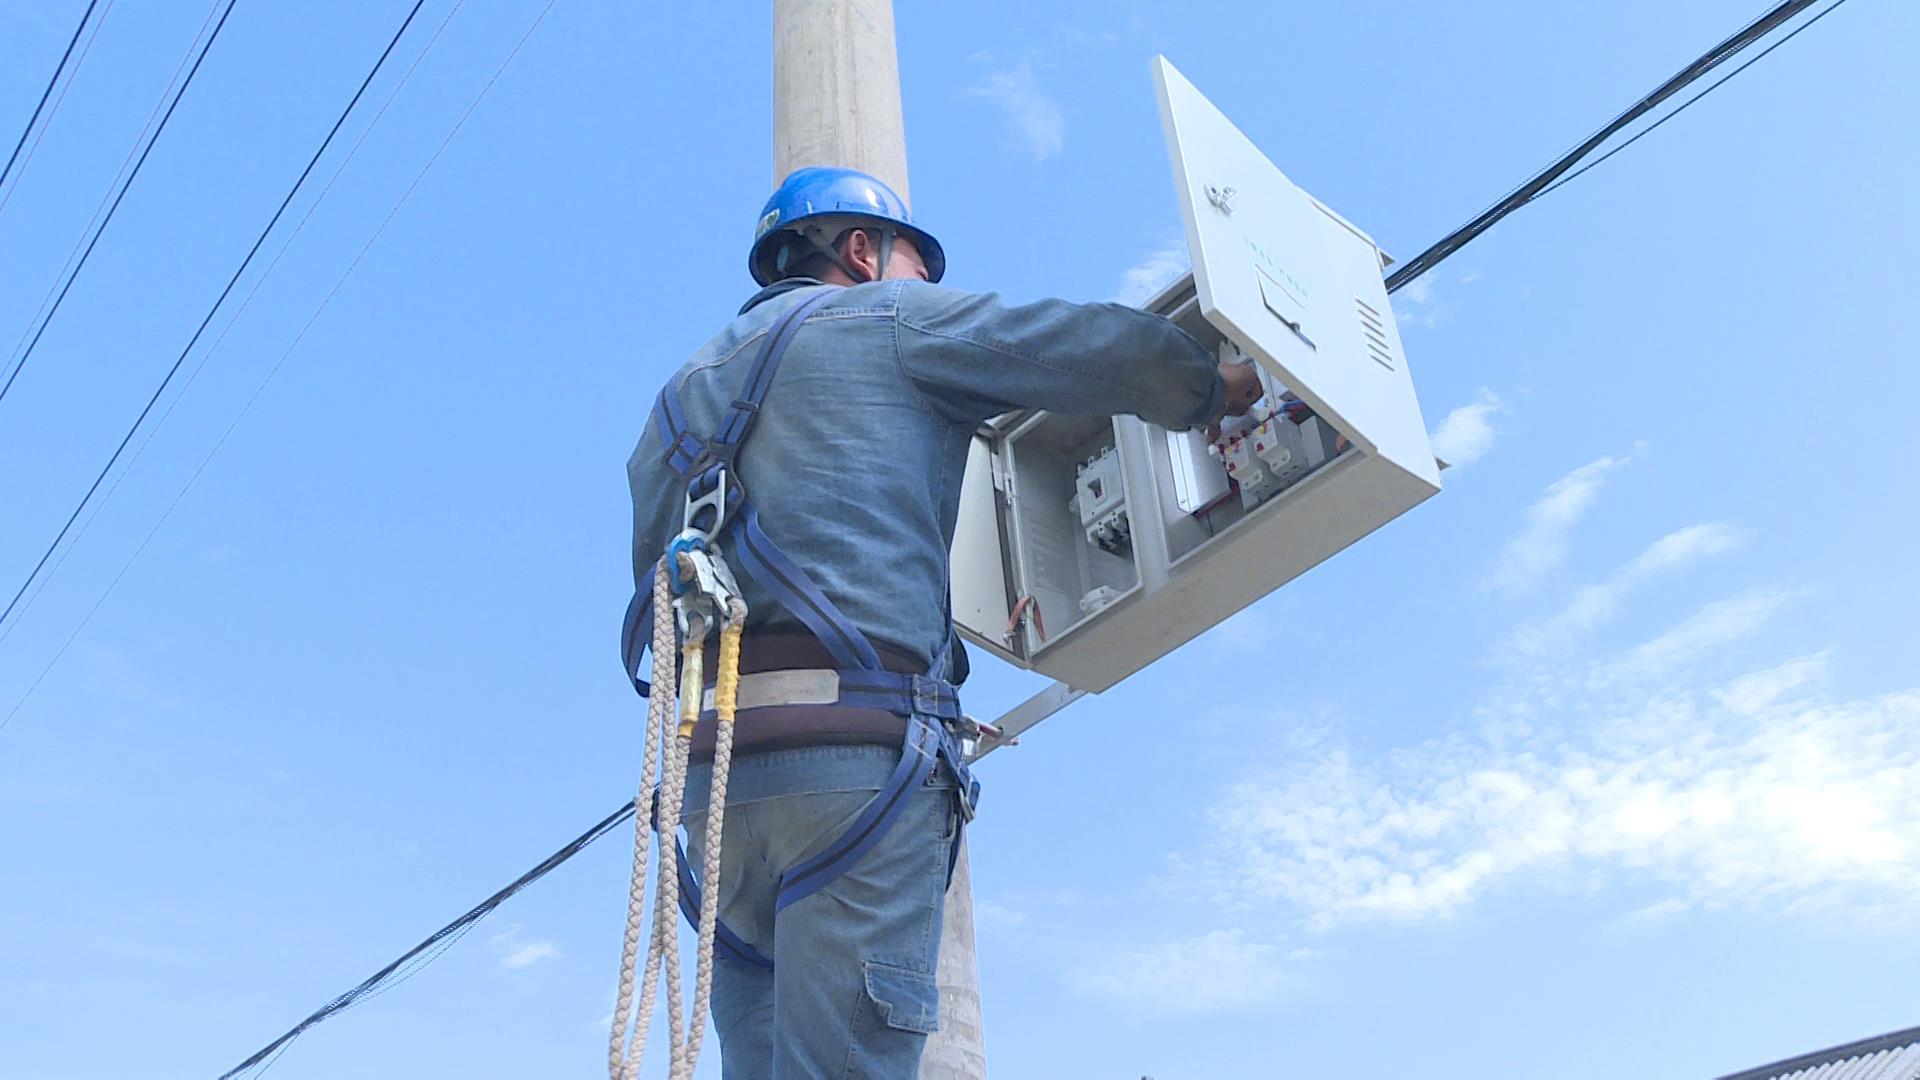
{"points": [[624, 1053], [725, 702], [663, 947]]}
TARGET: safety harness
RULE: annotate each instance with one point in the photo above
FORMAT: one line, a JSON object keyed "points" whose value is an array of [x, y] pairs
{"points": [[720, 515]]}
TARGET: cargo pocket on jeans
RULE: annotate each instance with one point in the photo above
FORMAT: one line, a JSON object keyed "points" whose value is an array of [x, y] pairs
{"points": [[908, 1000]]}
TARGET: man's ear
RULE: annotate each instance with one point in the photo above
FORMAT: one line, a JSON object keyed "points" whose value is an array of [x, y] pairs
{"points": [[860, 252]]}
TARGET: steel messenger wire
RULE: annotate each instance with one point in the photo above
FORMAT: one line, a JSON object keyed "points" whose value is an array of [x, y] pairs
{"points": [[621, 1065]]}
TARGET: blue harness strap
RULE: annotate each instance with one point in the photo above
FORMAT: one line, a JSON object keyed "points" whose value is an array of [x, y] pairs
{"points": [[929, 702], [762, 560], [634, 629], [916, 764], [724, 939]]}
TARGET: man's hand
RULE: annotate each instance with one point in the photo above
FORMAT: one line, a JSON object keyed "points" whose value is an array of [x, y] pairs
{"points": [[1243, 387]]}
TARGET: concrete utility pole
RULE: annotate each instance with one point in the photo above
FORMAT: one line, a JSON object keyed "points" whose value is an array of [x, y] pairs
{"points": [[836, 101], [836, 89]]}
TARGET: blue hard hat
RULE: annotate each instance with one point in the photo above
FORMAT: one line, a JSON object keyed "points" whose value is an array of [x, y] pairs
{"points": [[817, 192]]}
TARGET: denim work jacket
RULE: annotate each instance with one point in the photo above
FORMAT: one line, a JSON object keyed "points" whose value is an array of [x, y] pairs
{"points": [[856, 459]]}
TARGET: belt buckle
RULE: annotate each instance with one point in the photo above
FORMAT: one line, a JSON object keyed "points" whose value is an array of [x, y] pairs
{"points": [[926, 694]]}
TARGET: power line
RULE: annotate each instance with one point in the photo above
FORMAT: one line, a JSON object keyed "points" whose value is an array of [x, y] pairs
{"points": [[254, 290], [48, 92], [1715, 85], [133, 149], [7, 195], [1544, 180], [215, 308], [298, 338], [128, 186], [446, 933]]}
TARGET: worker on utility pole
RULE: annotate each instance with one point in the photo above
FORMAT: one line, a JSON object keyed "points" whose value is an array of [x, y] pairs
{"points": [[863, 381]]}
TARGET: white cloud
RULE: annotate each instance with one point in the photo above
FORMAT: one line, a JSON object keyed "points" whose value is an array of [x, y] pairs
{"points": [[517, 952], [989, 915], [1542, 543], [1221, 969], [1466, 434], [1414, 303], [1658, 777], [1033, 118], [1720, 623], [1143, 279], [1595, 604], [1752, 694]]}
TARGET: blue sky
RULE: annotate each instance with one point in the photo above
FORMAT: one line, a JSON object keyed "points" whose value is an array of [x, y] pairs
{"points": [[1605, 763]]}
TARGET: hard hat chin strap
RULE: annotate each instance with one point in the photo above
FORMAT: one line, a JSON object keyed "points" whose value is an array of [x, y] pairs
{"points": [[832, 252]]}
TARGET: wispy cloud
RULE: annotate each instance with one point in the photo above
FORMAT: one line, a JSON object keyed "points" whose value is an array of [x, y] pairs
{"points": [[988, 914], [1543, 540], [1415, 304], [1419, 304], [1467, 433], [1143, 279], [1222, 969], [1594, 604], [1761, 690], [1033, 118], [517, 951], [1755, 790], [1720, 623]]}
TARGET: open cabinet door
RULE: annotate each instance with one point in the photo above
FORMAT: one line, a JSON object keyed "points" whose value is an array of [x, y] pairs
{"points": [[1267, 279], [979, 560]]}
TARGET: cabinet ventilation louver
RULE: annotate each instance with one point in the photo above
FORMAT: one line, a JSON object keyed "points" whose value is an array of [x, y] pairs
{"points": [[1374, 333]]}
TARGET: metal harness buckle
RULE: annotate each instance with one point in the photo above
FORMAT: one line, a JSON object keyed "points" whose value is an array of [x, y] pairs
{"points": [[716, 500]]}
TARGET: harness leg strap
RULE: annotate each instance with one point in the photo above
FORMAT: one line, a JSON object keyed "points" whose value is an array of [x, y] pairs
{"points": [[917, 759], [724, 939]]}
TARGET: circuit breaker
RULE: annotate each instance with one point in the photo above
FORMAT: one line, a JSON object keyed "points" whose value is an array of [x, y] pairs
{"points": [[1088, 547]]}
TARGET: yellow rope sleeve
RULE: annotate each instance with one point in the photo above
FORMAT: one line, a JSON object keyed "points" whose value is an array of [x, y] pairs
{"points": [[726, 690], [693, 685]]}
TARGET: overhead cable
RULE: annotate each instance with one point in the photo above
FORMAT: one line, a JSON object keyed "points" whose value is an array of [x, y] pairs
{"points": [[446, 934], [253, 290], [1683, 106], [58, 70], [104, 222], [7, 194], [1544, 180], [214, 309], [106, 196], [180, 495]]}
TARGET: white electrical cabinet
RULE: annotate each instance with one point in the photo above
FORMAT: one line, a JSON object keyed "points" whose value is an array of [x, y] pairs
{"points": [[1089, 546]]}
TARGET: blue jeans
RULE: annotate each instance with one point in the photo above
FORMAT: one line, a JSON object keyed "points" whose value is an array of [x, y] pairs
{"points": [[852, 991]]}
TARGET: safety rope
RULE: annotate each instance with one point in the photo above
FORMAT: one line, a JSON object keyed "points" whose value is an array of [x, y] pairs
{"points": [[624, 1054], [675, 744], [726, 697]]}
